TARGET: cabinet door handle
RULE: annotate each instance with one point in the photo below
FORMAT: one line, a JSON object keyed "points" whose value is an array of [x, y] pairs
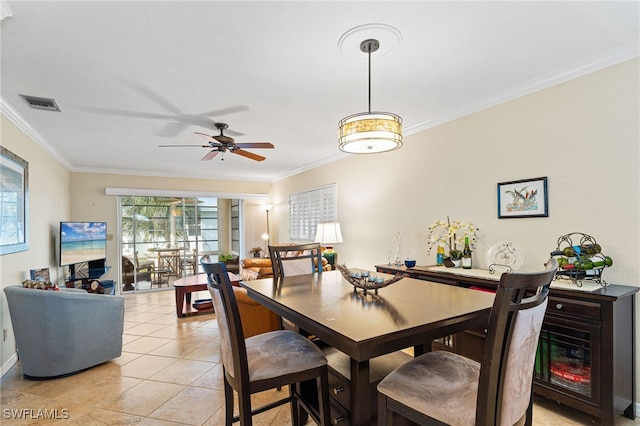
{"points": [[337, 420], [559, 306], [338, 390]]}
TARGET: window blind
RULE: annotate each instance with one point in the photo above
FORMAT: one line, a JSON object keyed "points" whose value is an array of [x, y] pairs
{"points": [[308, 208]]}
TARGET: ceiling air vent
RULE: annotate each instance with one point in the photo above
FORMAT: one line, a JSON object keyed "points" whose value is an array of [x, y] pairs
{"points": [[42, 103]]}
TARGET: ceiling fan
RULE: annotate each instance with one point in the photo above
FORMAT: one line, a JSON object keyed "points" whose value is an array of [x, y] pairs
{"points": [[222, 143]]}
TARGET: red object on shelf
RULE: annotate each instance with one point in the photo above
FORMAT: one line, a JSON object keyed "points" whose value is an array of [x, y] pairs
{"points": [[571, 373]]}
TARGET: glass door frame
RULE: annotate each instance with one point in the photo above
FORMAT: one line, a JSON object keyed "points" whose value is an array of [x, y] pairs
{"points": [[120, 192]]}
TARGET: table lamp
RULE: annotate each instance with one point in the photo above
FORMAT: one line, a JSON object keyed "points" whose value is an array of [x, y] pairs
{"points": [[328, 234]]}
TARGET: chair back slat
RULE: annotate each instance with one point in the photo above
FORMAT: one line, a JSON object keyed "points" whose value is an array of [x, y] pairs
{"points": [[290, 260], [232, 343], [510, 346]]}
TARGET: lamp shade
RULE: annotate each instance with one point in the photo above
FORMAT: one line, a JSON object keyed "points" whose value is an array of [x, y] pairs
{"points": [[328, 233], [369, 133]]}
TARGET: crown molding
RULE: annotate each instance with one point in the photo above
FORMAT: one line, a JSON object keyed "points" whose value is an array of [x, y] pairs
{"points": [[22, 124], [623, 53], [162, 174]]}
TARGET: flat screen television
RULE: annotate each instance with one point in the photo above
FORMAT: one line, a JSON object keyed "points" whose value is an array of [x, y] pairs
{"points": [[82, 242]]}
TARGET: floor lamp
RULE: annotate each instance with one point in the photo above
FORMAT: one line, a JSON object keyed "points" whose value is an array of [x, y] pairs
{"points": [[266, 236]]}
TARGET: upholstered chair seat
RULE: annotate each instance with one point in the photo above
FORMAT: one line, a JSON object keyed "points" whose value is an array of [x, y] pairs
{"points": [[279, 353], [440, 384]]}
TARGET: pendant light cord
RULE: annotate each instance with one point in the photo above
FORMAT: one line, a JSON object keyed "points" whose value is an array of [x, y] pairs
{"points": [[369, 80]]}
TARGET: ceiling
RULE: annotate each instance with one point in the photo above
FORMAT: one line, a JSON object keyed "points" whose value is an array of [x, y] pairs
{"points": [[130, 76]]}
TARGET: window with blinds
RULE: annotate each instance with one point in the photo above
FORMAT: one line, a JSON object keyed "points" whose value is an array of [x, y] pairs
{"points": [[309, 208]]}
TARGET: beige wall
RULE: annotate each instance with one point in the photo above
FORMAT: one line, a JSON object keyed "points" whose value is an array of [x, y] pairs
{"points": [[583, 135], [49, 203]]}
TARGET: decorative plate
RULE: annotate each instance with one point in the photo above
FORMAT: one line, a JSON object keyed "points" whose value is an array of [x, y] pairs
{"points": [[504, 253]]}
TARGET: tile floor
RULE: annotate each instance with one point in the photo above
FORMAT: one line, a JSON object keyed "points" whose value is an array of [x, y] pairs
{"points": [[169, 374]]}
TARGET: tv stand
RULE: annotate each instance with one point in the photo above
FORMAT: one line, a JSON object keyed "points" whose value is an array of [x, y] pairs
{"points": [[87, 276]]}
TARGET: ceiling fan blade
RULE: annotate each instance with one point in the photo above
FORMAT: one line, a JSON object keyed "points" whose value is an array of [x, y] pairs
{"points": [[206, 136], [124, 113], [152, 96], [182, 146], [210, 155], [248, 154], [233, 133], [254, 145], [171, 130]]}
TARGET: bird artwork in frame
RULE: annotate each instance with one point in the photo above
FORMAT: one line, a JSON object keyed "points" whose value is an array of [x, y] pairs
{"points": [[523, 198]]}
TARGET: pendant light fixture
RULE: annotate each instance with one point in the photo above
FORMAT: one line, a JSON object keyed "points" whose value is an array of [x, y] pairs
{"points": [[370, 132]]}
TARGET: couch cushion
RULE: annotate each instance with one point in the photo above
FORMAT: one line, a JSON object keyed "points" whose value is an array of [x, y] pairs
{"points": [[256, 262]]}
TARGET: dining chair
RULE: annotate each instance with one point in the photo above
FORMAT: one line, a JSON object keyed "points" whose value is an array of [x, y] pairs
{"points": [[446, 388], [265, 361], [189, 261], [300, 259]]}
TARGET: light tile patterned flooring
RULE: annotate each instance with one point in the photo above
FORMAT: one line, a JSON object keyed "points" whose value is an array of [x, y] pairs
{"points": [[169, 374]]}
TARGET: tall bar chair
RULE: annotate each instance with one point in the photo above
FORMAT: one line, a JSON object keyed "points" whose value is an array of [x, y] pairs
{"points": [[443, 388], [265, 361]]}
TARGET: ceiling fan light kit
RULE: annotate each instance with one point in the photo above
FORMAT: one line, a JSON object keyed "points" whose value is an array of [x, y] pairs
{"points": [[370, 132]]}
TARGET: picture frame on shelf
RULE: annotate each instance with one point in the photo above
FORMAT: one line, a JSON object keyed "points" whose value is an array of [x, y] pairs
{"points": [[523, 198], [41, 274], [14, 184]]}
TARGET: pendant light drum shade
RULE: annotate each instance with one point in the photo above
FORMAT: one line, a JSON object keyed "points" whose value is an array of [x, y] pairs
{"points": [[370, 132]]}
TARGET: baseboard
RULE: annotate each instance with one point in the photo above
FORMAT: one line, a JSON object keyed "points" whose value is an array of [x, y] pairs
{"points": [[10, 363]]}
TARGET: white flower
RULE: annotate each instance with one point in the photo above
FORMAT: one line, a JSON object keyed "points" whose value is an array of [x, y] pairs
{"points": [[451, 234]]}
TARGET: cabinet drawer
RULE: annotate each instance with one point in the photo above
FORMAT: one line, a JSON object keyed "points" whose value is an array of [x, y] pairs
{"points": [[339, 388], [339, 416], [574, 308]]}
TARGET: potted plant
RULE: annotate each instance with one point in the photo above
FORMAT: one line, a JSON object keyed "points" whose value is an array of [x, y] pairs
{"points": [[255, 251], [451, 234], [455, 257]]}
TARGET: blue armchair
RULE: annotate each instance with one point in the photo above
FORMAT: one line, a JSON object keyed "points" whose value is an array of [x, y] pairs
{"points": [[59, 333]]}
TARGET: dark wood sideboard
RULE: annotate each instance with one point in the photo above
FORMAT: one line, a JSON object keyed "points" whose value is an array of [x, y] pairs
{"points": [[586, 352]]}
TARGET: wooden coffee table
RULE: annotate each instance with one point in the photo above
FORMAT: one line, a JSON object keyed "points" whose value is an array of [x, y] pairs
{"points": [[187, 285]]}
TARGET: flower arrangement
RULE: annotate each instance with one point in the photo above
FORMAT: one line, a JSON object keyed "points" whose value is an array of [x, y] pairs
{"points": [[451, 234]]}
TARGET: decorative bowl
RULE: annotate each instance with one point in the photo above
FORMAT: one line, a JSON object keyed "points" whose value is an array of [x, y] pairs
{"points": [[409, 263], [364, 281]]}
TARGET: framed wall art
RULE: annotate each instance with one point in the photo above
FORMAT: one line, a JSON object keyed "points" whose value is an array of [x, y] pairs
{"points": [[523, 198], [14, 191]]}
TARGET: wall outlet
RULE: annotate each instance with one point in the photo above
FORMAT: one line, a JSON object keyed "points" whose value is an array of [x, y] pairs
{"points": [[4, 334]]}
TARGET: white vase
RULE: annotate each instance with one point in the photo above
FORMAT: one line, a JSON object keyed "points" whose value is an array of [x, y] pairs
{"points": [[457, 263]]}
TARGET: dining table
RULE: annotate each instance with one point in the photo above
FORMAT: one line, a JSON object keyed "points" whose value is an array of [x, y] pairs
{"points": [[409, 313], [169, 260]]}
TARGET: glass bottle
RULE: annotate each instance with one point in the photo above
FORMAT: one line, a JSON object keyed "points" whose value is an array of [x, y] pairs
{"points": [[466, 254], [440, 255]]}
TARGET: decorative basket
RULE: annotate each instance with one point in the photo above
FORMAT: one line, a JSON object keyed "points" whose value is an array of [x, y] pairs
{"points": [[364, 281]]}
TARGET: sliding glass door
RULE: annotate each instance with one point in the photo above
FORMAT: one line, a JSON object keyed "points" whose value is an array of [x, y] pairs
{"points": [[163, 238]]}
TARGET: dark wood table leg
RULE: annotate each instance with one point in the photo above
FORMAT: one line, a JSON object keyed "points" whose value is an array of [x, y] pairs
{"points": [[360, 399], [180, 294]]}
